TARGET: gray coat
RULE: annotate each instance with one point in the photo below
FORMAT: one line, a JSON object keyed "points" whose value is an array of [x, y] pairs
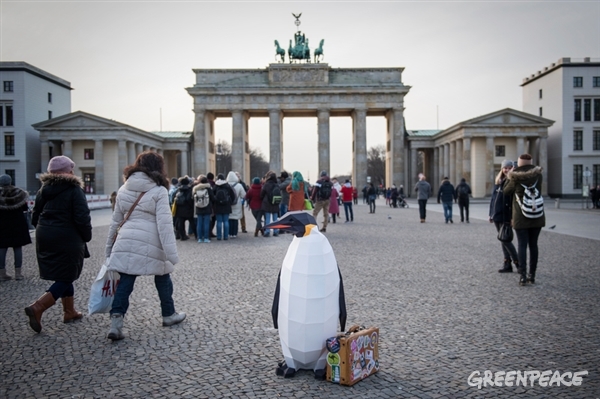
{"points": [[423, 190]]}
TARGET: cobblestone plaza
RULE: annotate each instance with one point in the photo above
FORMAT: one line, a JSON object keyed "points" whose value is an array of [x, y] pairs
{"points": [[433, 289]]}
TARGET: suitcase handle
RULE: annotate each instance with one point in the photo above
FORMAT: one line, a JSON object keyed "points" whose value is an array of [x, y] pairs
{"points": [[354, 328]]}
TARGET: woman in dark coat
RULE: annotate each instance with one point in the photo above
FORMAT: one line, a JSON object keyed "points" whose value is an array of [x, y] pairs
{"points": [[63, 226], [14, 231], [271, 211], [255, 204], [500, 213]]}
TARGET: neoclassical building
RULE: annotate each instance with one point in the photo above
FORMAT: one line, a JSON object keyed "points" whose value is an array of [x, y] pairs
{"points": [[474, 149], [101, 148]]}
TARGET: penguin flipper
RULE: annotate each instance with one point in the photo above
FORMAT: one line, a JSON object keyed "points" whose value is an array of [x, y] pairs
{"points": [[275, 308], [342, 302]]}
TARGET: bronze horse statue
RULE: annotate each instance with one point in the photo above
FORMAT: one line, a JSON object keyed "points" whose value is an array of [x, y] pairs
{"points": [[299, 52], [319, 52], [279, 52]]}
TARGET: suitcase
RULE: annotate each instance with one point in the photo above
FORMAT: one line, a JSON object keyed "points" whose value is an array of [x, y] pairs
{"points": [[353, 356]]}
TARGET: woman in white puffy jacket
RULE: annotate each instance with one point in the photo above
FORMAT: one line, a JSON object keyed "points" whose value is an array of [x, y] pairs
{"points": [[145, 244], [236, 209]]}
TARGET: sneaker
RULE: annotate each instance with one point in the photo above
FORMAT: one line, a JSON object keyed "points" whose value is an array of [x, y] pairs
{"points": [[347, 221], [175, 318], [266, 234], [323, 230], [218, 238], [200, 240], [206, 240], [451, 221]]}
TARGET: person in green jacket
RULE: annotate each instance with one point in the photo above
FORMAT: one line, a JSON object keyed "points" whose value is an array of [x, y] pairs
{"points": [[527, 228]]}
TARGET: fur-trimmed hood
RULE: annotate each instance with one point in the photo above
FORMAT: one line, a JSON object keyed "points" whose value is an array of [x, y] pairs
{"points": [[525, 173], [12, 197], [55, 183]]}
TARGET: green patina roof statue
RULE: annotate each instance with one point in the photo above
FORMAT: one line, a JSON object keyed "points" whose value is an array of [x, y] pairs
{"points": [[300, 50]]}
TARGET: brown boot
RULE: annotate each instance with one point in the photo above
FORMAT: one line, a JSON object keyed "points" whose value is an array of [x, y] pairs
{"points": [[36, 309], [70, 314], [256, 232]]}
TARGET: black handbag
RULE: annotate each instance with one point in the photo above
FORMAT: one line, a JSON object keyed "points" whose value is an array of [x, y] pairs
{"points": [[505, 234]]}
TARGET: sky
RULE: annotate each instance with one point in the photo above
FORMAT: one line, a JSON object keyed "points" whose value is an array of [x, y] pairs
{"points": [[131, 61]]}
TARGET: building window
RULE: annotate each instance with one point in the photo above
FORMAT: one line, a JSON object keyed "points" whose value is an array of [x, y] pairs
{"points": [[596, 81], [540, 94], [89, 183], [577, 176], [577, 110], [541, 112], [49, 114], [6, 115], [596, 140], [596, 109], [88, 153], [596, 175], [577, 81], [11, 173], [578, 140], [8, 85], [500, 151], [50, 98], [587, 110], [9, 144]]}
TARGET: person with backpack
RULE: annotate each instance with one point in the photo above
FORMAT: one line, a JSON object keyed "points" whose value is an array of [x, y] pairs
{"points": [[236, 204], [372, 195], [271, 198], [285, 181], [255, 204], [184, 211], [447, 195], [224, 196], [463, 190], [297, 192], [321, 195], [528, 218], [203, 201], [500, 214]]}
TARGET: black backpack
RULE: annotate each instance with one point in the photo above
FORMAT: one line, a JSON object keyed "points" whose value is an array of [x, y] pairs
{"points": [[183, 197], [275, 195], [222, 196], [463, 191], [325, 189]]}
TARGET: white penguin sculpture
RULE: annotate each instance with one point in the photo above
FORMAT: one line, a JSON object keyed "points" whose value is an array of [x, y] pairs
{"points": [[309, 298]]}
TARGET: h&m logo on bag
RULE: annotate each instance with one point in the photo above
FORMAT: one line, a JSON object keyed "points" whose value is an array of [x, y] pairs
{"points": [[109, 288], [532, 204]]}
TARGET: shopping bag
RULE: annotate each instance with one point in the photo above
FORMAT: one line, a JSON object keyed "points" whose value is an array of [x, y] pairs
{"points": [[103, 290], [308, 205]]}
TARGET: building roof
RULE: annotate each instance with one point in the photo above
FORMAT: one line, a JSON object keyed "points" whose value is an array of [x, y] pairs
{"points": [[173, 135], [19, 66], [562, 62], [423, 132]]}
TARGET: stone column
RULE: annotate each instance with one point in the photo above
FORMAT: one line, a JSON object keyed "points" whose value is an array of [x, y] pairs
{"points": [[446, 160], [323, 140], [466, 172], [45, 156], [200, 147], [138, 149], [520, 148], [99, 165], [412, 180], [184, 162], [359, 148], [130, 152], [459, 161], [543, 151], [146, 147], [275, 140], [122, 162], [436, 169], [67, 149], [237, 140], [452, 163], [489, 164]]}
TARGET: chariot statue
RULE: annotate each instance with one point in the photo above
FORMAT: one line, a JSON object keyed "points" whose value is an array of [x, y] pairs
{"points": [[299, 50]]}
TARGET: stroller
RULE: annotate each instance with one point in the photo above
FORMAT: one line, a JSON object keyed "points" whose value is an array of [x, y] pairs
{"points": [[401, 202]]}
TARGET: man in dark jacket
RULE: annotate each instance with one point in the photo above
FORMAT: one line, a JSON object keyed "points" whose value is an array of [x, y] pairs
{"points": [[184, 202], [285, 181], [320, 196], [447, 195], [463, 190], [527, 228], [224, 196], [269, 207]]}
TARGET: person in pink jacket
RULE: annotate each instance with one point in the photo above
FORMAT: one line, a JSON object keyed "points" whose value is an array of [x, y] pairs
{"points": [[334, 207]]}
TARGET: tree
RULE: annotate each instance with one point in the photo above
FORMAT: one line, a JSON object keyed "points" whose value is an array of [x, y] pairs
{"points": [[258, 165], [376, 164], [223, 157]]}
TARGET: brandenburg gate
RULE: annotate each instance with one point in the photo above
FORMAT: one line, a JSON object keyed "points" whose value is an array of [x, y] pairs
{"points": [[299, 90]]}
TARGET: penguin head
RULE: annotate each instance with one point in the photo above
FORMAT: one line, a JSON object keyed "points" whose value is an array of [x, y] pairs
{"points": [[299, 223]]}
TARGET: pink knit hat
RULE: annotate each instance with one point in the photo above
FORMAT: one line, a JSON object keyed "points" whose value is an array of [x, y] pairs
{"points": [[61, 164]]}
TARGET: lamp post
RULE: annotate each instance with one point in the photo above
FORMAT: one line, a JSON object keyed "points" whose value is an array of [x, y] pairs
{"points": [[219, 154]]}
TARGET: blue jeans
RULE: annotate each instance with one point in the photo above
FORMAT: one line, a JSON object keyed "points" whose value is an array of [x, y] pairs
{"points": [[447, 210], [203, 226], [283, 208], [18, 251], [271, 217], [163, 284], [222, 226], [348, 205]]}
